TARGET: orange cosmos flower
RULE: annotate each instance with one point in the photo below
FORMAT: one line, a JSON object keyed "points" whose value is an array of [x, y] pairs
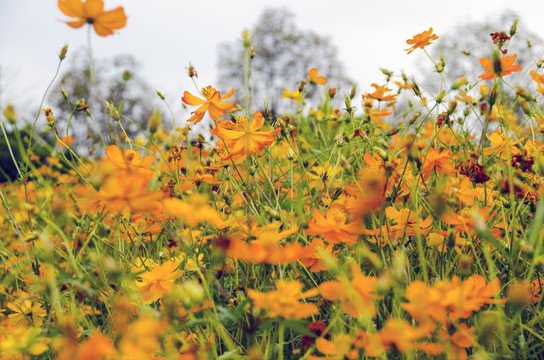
{"points": [[539, 79], [129, 160], [119, 193], [356, 294], [244, 138], [158, 282], [284, 302], [312, 76], [421, 40], [194, 210], [92, 12], [507, 67], [438, 161], [379, 93], [335, 228], [212, 104]]}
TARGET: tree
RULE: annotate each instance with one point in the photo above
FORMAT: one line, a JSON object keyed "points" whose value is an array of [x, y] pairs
{"points": [[116, 82], [283, 55], [465, 45]]}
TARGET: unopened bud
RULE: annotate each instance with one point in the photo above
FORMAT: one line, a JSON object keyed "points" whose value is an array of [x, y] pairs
{"points": [[112, 110], [353, 92], [414, 117], [524, 93], [63, 51], [64, 94], [514, 28], [526, 107], [452, 106], [440, 97], [493, 94], [154, 121], [247, 41], [302, 85], [127, 75], [159, 94], [10, 114], [459, 82], [332, 92], [393, 132], [415, 88]]}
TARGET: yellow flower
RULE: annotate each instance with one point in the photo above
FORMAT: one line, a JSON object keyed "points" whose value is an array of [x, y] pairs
{"points": [[26, 313], [294, 95], [22, 341]]}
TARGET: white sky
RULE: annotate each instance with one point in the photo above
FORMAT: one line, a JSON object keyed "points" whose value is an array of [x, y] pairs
{"points": [[165, 35]]}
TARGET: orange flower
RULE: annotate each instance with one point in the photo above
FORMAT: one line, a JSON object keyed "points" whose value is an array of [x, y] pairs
{"points": [[438, 161], [92, 12], [120, 192], [129, 160], [244, 138], [194, 210], [408, 223], [539, 79], [312, 76], [451, 299], [212, 104], [335, 228], [421, 40], [507, 67], [199, 177], [284, 302], [158, 282], [311, 255], [501, 145], [356, 295], [379, 93]]}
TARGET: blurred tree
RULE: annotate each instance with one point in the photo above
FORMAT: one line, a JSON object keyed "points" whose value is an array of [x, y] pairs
{"points": [[464, 46], [116, 82], [283, 55]]}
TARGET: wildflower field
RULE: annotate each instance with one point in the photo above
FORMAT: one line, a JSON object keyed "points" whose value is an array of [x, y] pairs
{"points": [[412, 228]]}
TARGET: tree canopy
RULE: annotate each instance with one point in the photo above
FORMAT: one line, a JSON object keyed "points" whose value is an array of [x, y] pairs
{"points": [[283, 55]]}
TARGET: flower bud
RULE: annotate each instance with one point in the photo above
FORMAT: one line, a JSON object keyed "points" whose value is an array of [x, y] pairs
{"points": [[191, 71], [112, 110], [10, 114], [127, 75], [63, 51], [49, 116], [332, 92], [514, 28], [154, 121], [64, 94], [459, 82]]}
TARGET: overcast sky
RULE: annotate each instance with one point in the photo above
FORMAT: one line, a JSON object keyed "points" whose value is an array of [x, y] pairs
{"points": [[165, 35]]}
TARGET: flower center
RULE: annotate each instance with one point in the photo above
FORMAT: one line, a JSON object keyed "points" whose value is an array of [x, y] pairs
{"points": [[208, 92]]}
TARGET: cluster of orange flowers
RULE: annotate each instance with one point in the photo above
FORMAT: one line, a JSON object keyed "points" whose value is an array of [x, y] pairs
{"points": [[382, 239]]}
